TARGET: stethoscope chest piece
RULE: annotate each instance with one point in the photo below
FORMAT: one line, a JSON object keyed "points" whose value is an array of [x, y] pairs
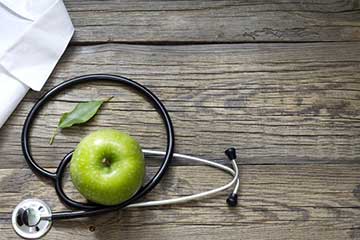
{"points": [[31, 219]]}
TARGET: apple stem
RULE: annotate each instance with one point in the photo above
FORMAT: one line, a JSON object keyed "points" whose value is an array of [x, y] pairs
{"points": [[106, 162]]}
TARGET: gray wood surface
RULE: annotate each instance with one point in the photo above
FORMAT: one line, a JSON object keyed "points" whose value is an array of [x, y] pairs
{"points": [[278, 80], [276, 202], [300, 109], [215, 21]]}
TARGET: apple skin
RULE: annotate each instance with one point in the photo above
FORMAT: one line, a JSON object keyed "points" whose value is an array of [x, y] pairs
{"points": [[107, 167]]}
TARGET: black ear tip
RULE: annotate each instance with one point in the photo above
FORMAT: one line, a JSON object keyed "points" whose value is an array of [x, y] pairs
{"points": [[232, 200], [231, 153]]}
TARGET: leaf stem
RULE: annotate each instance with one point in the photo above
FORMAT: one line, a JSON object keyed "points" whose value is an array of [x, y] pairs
{"points": [[53, 136], [108, 99]]}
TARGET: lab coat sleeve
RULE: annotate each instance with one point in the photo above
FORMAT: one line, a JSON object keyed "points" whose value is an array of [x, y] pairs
{"points": [[36, 33]]}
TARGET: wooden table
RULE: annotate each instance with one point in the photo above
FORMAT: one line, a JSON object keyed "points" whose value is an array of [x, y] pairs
{"points": [[278, 80]]}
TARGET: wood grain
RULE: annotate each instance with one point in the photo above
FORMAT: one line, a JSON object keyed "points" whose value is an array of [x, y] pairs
{"points": [[277, 103], [276, 202], [215, 21], [278, 80]]}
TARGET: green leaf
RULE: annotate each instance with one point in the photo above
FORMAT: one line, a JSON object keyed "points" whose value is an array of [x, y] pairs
{"points": [[82, 113]]}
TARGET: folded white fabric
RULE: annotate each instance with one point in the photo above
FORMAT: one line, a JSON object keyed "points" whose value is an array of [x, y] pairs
{"points": [[33, 36]]}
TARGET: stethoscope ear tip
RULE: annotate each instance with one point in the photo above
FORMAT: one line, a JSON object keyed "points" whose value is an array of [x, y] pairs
{"points": [[31, 219], [231, 153], [232, 200]]}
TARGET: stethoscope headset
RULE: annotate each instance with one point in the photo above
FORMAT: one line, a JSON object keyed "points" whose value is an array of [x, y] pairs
{"points": [[33, 218]]}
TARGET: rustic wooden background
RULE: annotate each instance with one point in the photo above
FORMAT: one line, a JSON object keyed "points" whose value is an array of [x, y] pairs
{"points": [[279, 80]]}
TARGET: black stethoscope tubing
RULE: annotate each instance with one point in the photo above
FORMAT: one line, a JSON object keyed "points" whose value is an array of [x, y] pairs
{"points": [[90, 209]]}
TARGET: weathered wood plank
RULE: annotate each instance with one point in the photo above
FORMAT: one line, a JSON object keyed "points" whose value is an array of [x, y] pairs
{"points": [[277, 103], [276, 202], [293, 107], [215, 21]]}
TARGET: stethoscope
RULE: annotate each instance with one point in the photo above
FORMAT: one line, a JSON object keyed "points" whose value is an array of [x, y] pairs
{"points": [[33, 218]]}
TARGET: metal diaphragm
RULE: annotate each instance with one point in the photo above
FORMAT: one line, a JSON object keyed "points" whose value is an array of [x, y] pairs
{"points": [[31, 219]]}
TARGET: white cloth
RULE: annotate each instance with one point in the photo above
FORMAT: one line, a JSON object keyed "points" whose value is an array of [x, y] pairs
{"points": [[33, 36]]}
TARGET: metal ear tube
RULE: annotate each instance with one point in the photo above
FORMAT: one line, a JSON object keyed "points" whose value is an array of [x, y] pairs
{"points": [[233, 197], [33, 218]]}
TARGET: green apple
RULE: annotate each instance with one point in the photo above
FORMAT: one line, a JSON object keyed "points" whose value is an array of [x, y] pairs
{"points": [[108, 167]]}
